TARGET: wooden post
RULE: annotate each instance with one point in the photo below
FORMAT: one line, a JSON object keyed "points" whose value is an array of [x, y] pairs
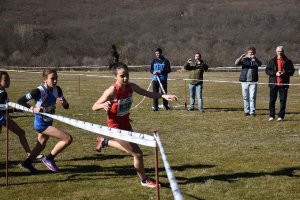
{"points": [[185, 92], [79, 85], [156, 168], [6, 154]]}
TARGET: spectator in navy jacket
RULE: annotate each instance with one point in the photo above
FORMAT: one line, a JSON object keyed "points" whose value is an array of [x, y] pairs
{"points": [[160, 68], [248, 79]]}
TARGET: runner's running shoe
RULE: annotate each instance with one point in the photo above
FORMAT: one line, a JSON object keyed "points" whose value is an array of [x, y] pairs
{"points": [[99, 144], [149, 183], [50, 164], [28, 166]]}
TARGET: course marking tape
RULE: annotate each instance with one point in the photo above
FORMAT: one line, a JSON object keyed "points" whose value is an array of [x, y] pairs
{"points": [[134, 137], [169, 79], [172, 180]]}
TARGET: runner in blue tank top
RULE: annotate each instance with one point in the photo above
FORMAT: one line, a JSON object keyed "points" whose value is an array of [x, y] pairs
{"points": [[46, 96]]}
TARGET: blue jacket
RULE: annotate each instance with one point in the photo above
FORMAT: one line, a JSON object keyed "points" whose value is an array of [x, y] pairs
{"points": [[163, 65]]}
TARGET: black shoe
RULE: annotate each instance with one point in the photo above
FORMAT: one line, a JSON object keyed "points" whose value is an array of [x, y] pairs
{"points": [[28, 166], [246, 114], [155, 109], [167, 108]]}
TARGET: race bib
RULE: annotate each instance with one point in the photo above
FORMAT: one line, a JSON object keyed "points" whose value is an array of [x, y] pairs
{"points": [[124, 106], [49, 110]]}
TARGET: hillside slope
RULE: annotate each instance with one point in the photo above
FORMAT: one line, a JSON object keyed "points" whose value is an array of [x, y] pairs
{"points": [[60, 33]]}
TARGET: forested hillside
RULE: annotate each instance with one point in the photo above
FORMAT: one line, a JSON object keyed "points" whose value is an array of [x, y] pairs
{"points": [[81, 32]]}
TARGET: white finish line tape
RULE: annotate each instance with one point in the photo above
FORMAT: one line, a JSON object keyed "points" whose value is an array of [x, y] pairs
{"points": [[134, 137], [174, 186]]}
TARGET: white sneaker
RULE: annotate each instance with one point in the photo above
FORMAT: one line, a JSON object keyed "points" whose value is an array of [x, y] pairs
{"points": [[271, 119], [40, 156], [279, 119]]}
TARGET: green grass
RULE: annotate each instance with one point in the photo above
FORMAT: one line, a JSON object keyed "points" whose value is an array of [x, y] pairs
{"points": [[219, 154]]}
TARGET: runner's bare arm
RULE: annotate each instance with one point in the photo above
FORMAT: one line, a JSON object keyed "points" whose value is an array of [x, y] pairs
{"points": [[104, 101], [146, 93]]}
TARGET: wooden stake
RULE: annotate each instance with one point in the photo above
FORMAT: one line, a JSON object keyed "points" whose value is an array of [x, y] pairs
{"points": [[185, 103], [156, 168], [6, 156], [79, 85]]}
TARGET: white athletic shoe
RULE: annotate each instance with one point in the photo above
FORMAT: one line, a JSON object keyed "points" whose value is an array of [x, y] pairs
{"points": [[40, 156], [279, 119], [271, 119]]}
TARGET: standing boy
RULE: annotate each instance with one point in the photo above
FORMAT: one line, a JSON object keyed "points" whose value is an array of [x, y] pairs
{"points": [[160, 68]]}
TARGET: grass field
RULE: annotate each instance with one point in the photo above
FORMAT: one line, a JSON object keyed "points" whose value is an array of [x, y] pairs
{"points": [[219, 154]]}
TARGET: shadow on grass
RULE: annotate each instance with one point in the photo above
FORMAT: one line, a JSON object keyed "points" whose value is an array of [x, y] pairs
{"points": [[98, 157], [126, 170], [240, 109], [295, 113], [235, 176], [192, 196], [287, 113], [87, 172]]}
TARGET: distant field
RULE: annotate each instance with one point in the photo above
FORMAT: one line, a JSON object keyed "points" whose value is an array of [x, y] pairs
{"points": [[219, 154]]}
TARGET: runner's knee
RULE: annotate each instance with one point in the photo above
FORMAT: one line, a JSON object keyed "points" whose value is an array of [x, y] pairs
{"points": [[137, 153], [69, 140]]}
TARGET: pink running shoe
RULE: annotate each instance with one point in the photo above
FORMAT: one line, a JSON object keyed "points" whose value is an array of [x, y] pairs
{"points": [[99, 144], [149, 183]]}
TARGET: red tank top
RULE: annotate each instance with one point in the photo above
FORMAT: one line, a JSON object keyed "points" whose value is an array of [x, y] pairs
{"points": [[118, 115]]}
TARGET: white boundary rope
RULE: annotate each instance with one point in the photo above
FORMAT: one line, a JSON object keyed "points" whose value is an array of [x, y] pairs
{"points": [[138, 138], [143, 97], [174, 186], [169, 79], [224, 81], [161, 87]]}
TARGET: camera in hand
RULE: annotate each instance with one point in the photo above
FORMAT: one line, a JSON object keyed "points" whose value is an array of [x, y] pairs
{"points": [[193, 62]]}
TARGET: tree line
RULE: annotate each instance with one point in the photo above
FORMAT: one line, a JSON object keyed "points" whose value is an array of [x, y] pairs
{"points": [[59, 33]]}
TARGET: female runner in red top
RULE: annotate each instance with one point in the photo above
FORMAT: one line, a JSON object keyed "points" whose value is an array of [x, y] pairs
{"points": [[117, 100]]}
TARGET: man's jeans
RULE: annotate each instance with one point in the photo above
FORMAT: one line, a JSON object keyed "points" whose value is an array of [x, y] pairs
{"points": [[283, 92], [193, 91], [249, 90]]}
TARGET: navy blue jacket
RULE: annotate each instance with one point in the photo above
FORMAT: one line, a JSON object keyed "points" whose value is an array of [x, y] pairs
{"points": [[248, 65]]}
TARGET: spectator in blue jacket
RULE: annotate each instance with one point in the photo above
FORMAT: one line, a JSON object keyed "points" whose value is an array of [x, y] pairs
{"points": [[160, 68], [248, 79]]}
